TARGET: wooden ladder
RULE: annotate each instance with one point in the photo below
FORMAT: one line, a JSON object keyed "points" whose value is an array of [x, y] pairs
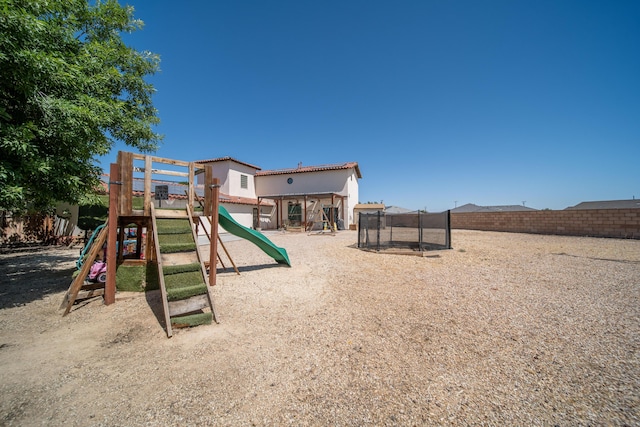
{"points": [[78, 288], [184, 282]]}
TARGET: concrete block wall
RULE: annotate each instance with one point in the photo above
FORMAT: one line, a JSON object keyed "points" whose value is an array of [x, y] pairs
{"points": [[618, 223]]}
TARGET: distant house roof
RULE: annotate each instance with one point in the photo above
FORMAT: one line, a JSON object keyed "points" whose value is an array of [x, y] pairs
{"points": [[608, 204], [470, 207], [227, 159], [373, 206], [396, 209], [303, 169]]}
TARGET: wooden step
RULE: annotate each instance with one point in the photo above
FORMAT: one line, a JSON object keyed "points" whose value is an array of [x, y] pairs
{"points": [[179, 258], [183, 282], [192, 320], [90, 293], [171, 213], [189, 305]]}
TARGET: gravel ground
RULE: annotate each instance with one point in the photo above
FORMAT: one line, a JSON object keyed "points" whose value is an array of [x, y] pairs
{"points": [[504, 329]]}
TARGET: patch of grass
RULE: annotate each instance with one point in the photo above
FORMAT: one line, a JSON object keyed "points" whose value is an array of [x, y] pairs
{"points": [[189, 278], [137, 203], [173, 239], [131, 278], [137, 278], [173, 226]]}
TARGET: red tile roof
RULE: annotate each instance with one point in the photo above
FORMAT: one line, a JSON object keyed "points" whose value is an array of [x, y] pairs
{"points": [[227, 159], [224, 198], [303, 169]]}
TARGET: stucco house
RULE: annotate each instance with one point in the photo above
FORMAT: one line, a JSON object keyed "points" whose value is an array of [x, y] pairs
{"points": [[302, 198]]}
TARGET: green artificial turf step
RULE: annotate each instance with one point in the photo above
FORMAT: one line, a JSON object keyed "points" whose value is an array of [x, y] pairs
{"points": [[173, 226], [176, 242], [170, 248], [187, 302], [184, 285], [192, 320], [183, 268], [182, 292], [172, 239]]}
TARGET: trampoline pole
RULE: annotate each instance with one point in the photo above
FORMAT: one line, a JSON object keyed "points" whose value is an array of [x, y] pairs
{"points": [[448, 233], [378, 242], [359, 226], [420, 230]]}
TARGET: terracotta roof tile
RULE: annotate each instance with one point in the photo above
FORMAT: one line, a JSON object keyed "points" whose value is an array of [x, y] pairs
{"points": [[227, 159], [318, 168]]}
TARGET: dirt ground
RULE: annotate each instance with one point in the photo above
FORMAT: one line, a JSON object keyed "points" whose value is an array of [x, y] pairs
{"points": [[504, 329]]}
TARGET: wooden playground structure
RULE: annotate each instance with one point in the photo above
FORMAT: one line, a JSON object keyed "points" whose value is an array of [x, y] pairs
{"points": [[170, 241]]}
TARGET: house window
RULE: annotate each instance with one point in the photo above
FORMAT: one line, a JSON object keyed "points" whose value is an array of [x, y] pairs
{"points": [[244, 181]]}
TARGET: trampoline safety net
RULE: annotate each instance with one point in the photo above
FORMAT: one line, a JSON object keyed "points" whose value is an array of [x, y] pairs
{"points": [[418, 231]]}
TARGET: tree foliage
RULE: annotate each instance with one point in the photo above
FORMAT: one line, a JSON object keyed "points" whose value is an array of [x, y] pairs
{"points": [[69, 89]]}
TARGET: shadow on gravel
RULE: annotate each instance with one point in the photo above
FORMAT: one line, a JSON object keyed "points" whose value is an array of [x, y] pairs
{"points": [[154, 299], [27, 276]]}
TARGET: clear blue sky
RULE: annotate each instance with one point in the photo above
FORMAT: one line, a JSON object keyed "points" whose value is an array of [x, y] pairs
{"points": [[439, 101]]}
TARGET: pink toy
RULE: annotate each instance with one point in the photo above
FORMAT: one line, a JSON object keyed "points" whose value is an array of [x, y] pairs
{"points": [[98, 272]]}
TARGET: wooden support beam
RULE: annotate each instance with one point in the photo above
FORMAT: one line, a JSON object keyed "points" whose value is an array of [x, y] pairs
{"points": [[90, 293], [212, 187], [163, 289], [76, 284], [167, 161], [114, 192], [304, 222], [147, 185], [161, 172], [208, 181], [125, 160], [191, 191], [221, 243]]}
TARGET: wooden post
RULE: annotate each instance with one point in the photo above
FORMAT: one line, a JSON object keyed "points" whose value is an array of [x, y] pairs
{"points": [[214, 188], [114, 191], [192, 183], [147, 185], [208, 180], [258, 226], [304, 222], [125, 159]]}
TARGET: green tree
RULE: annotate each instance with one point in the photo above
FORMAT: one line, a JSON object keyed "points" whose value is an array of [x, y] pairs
{"points": [[69, 89]]}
